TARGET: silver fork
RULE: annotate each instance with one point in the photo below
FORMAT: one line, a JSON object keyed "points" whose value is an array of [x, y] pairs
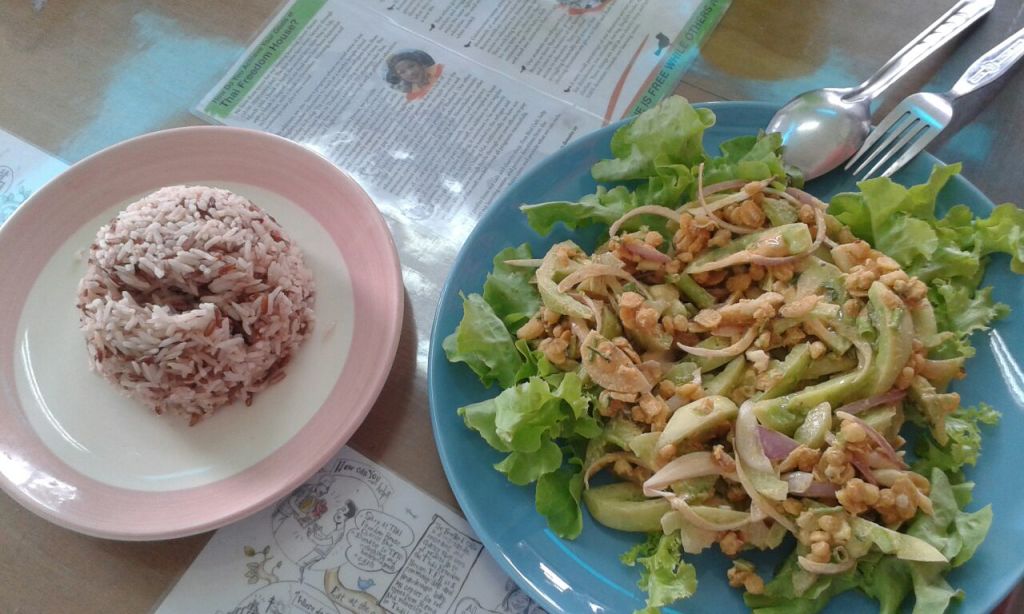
{"points": [[919, 118]]}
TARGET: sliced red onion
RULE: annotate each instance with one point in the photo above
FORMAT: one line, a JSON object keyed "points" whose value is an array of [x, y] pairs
{"points": [[665, 212], [646, 252], [596, 270], [727, 352], [722, 186], [825, 569], [803, 484], [761, 502], [595, 309], [606, 460], [776, 446], [864, 467], [711, 214], [884, 447], [694, 519], [865, 404], [693, 465]]}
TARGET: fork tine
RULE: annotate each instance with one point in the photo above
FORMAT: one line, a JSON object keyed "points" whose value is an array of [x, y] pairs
{"points": [[915, 128], [887, 122], [889, 135], [930, 133]]}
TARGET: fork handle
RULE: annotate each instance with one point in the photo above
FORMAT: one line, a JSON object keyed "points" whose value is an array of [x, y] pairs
{"points": [[946, 28], [991, 66]]}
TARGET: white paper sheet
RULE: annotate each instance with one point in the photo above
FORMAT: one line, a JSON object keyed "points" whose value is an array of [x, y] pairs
{"points": [[354, 538]]}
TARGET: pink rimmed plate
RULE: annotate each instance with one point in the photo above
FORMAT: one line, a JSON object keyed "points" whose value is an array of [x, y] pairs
{"points": [[78, 453]]}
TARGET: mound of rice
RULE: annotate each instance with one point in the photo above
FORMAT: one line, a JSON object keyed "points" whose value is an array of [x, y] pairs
{"points": [[194, 298]]}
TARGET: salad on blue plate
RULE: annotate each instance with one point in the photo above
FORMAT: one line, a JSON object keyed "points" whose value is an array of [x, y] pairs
{"points": [[738, 361]]}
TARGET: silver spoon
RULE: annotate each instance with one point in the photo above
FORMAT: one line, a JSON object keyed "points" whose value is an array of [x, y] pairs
{"points": [[822, 128]]}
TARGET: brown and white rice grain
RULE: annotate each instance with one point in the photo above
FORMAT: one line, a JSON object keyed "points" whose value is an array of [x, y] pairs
{"points": [[194, 298]]}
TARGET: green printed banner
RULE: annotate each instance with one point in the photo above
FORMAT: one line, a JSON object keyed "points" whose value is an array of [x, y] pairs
{"points": [[683, 53], [263, 56]]}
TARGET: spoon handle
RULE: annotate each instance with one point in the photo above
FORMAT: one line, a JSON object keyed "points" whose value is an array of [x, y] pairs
{"points": [[955, 21], [991, 66]]}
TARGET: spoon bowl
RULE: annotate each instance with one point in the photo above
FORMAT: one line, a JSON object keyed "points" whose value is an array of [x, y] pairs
{"points": [[822, 128]]}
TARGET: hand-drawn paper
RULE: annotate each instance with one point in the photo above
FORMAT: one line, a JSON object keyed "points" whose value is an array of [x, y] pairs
{"points": [[23, 170], [354, 538]]}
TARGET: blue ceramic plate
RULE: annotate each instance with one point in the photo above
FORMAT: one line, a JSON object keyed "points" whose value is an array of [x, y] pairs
{"points": [[585, 575]]}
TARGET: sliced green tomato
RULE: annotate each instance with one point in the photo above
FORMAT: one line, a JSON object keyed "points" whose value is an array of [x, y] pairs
{"points": [[696, 490], [786, 413], [816, 276], [657, 340], [728, 378], [697, 418], [610, 325], [663, 296], [793, 369], [895, 337], [645, 447], [830, 364], [681, 372], [883, 419], [552, 298], [783, 240], [837, 343], [693, 291], [620, 431], [624, 507], [903, 546], [923, 315], [816, 425], [779, 212]]}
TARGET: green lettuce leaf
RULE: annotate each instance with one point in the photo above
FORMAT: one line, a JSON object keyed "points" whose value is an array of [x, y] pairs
{"points": [[750, 158], [1003, 232], [932, 593], [886, 579], [960, 311], [508, 289], [665, 577], [667, 187], [522, 468], [558, 499], [603, 207], [484, 343], [963, 428], [956, 533], [945, 253], [780, 594], [670, 133], [527, 420]]}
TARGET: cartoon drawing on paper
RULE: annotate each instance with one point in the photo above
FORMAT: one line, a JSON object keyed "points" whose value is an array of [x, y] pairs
{"points": [[306, 504], [285, 598], [326, 540], [305, 524], [257, 570]]}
